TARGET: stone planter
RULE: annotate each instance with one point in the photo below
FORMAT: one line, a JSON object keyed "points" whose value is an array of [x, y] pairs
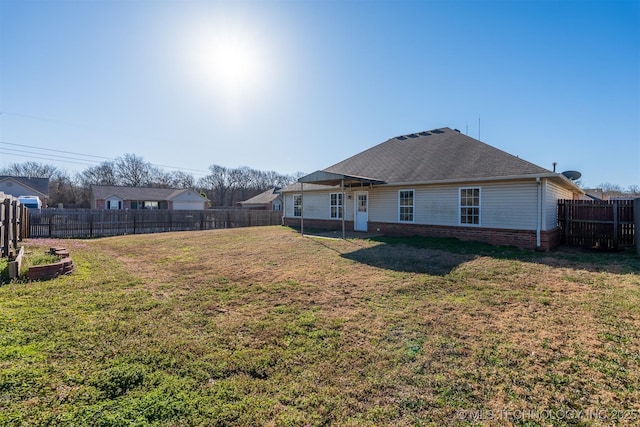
{"points": [[49, 271]]}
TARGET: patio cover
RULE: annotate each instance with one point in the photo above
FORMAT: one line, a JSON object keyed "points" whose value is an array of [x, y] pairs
{"points": [[331, 178]]}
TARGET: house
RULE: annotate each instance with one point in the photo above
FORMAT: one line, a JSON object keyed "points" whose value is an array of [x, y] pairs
{"points": [[270, 200], [436, 183], [17, 186], [119, 197]]}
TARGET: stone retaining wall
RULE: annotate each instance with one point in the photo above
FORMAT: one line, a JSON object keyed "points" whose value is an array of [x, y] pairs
{"points": [[49, 271]]}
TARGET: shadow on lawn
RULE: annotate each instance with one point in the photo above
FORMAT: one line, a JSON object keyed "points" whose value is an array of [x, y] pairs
{"points": [[397, 257], [405, 258], [621, 262], [440, 255]]}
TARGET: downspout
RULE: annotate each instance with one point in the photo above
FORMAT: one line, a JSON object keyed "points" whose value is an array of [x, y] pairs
{"points": [[284, 208], [301, 209], [343, 206], [538, 213]]}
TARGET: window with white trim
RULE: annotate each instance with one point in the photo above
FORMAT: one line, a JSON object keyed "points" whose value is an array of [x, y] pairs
{"points": [[297, 205], [336, 205], [470, 206], [405, 205]]}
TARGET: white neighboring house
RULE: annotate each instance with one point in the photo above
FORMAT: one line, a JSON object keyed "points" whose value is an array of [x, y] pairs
{"points": [[438, 183], [19, 186], [120, 197], [269, 200]]}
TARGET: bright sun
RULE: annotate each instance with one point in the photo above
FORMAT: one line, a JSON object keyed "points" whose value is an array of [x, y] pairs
{"points": [[233, 61]]}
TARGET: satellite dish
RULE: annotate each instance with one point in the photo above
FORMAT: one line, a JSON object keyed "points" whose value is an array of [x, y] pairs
{"points": [[572, 175]]}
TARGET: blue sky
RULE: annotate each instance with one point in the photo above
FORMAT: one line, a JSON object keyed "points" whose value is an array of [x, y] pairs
{"points": [[300, 85]]}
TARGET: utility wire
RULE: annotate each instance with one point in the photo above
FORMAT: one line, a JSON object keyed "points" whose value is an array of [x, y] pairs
{"points": [[42, 158], [85, 155]]}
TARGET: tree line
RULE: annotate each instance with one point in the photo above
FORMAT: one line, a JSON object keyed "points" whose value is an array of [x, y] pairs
{"points": [[222, 186]]}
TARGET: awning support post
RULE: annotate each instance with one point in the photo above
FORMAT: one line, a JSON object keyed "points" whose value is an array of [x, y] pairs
{"points": [[343, 206]]}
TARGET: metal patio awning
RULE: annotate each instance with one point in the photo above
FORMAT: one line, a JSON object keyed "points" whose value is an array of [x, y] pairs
{"points": [[332, 178]]}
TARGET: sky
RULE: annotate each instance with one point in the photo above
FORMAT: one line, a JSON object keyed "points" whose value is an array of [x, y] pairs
{"points": [[297, 86]]}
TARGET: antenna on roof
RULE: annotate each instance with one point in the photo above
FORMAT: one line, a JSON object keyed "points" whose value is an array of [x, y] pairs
{"points": [[478, 127]]}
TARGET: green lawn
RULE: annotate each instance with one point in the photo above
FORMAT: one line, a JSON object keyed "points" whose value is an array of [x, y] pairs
{"points": [[263, 327]]}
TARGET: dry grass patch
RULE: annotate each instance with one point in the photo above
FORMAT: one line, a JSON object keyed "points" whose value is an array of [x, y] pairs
{"points": [[263, 327]]}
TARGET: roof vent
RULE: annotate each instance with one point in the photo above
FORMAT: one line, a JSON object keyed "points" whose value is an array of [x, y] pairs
{"points": [[437, 131], [401, 138], [457, 130], [572, 175], [413, 135], [424, 133]]}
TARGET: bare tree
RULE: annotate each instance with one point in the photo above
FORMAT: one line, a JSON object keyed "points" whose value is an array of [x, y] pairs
{"points": [[183, 180], [133, 171], [103, 174], [217, 183], [30, 169]]}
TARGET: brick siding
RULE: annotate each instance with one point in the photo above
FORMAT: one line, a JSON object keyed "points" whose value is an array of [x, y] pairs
{"points": [[524, 239]]}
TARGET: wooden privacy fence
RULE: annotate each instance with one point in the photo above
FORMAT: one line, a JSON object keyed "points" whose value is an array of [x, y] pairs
{"points": [[86, 223], [14, 224], [597, 224]]}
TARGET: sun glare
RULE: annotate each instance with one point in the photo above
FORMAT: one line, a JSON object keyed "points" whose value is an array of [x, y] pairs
{"points": [[232, 61]]}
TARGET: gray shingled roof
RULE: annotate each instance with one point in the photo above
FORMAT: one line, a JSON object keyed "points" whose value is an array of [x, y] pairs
{"points": [[40, 185], [263, 198], [136, 193], [437, 155]]}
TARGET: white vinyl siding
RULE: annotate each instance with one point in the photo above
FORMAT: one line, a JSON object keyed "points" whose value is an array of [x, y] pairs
{"points": [[188, 201], [510, 205], [553, 192], [316, 205], [506, 205]]}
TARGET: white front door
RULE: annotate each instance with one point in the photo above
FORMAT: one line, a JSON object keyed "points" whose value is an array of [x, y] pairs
{"points": [[362, 211]]}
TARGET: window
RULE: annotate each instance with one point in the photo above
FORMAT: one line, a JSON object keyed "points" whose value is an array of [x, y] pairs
{"points": [[114, 204], [297, 205], [276, 206], [336, 205], [470, 206], [405, 205]]}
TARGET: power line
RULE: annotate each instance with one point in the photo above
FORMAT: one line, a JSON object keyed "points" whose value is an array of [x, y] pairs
{"points": [[84, 155], [57, 151], [42, 158]]}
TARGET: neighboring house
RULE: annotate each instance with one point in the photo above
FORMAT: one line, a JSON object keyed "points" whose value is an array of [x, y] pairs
{"points": [[593, 194], [25, 186], [117, 197], [270, 200], [434, 183]]}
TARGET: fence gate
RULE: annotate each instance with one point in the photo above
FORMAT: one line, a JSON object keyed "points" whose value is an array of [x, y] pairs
{"points": [[607, 224]]}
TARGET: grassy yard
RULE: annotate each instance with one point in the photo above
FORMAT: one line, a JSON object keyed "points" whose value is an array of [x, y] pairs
{"points": [[263, 327]]}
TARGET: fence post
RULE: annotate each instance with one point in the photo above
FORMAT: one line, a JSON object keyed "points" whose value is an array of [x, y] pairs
{"points": [[636, 221], [5, 225], [14, 223], [566, 232], [616, 225]]}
